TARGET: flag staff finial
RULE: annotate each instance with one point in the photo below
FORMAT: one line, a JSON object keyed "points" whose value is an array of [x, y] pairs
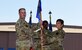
{"points": [[30, 12], [50, 25], [50, 12]]}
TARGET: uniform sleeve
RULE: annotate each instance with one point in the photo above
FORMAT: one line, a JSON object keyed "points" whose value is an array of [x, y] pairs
{"points": [[17, 28], [51, 37], [36, 27], [63, 34], [60, 38]]}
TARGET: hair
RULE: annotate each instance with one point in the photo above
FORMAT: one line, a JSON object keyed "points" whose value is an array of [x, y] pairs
{"points": [[21, 9], [45, 21], [61, 21]]}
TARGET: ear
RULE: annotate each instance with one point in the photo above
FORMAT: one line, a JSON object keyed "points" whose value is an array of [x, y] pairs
{"points": [[62, 25]]}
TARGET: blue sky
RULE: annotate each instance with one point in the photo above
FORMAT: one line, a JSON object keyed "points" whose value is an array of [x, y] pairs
{"points": [[68, 10]]}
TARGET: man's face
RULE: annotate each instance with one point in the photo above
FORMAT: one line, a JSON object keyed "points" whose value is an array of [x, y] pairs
{"points": [[45, 25], [59, 25], [22, 14]]}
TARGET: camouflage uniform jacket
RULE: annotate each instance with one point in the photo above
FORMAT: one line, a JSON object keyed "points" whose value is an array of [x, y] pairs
{"points": [[24, 35], [57, 40], [37, 40]]}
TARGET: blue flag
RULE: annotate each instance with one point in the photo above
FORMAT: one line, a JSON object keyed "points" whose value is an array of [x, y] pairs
{"points": [[39, 9], [50, 24]]}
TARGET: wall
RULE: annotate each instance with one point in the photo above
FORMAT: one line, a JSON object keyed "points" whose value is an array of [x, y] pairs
{"points": [[72, 41], [7, 40]]}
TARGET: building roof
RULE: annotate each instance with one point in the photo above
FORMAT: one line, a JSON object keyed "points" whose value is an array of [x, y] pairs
{"points": [[10, 26]]}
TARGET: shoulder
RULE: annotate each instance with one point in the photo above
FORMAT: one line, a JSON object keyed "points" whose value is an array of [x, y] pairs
{"points": [[55, 31], [18, 22], [60, 31], [49, 30], [63, 31], [24, 23]]}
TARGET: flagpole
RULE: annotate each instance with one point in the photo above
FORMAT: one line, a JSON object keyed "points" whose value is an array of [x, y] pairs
{"points": [[50, 15], [39, 16], [41, 36], [30, 19], [42, 43], [50, 25], [31, 38]]}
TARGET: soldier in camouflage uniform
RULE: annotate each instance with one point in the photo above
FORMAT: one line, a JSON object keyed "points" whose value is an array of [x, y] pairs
{"points": [[58, 36], [46, 36], [24, 33]]}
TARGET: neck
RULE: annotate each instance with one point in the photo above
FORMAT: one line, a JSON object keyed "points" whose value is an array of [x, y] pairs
{"points": [[60, 29], [46, 28], [22, 18]]}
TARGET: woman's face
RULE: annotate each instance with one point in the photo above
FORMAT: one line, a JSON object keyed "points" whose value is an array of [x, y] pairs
{"points": [[59, 25]]}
